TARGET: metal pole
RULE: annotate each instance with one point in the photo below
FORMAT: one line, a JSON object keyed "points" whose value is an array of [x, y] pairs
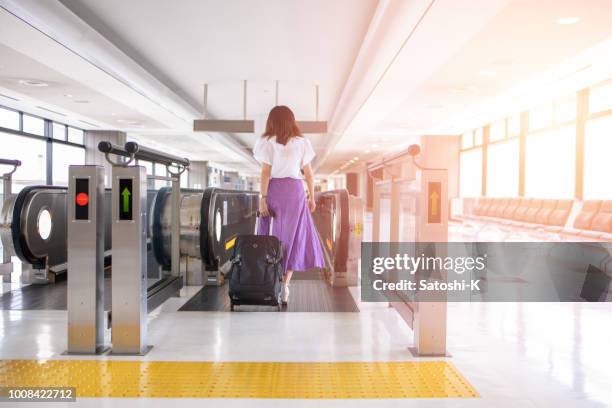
{"points": [[205, 101], [317, 103], [244, 100], [276, 97], [175, 263]]}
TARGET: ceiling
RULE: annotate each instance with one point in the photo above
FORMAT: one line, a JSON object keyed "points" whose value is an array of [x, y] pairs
{"points": [[465, 60], [387, 71]]}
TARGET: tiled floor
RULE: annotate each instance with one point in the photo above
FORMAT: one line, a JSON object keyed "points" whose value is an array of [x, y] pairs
{"points": [[515, 355]]}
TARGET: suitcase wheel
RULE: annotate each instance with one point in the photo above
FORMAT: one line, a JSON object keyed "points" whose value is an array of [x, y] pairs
{"points": [[232, 307]]}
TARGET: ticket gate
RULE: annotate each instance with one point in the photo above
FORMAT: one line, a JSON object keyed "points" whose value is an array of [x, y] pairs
{"points": [[210, 221], [339, 222], [411, 205], [6, 267]]}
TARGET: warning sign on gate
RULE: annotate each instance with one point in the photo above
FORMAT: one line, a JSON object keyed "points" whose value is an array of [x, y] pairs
{"points": [[434, 206]]}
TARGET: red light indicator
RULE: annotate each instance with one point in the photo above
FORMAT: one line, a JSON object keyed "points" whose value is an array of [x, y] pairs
{"points": [[82, 199]]}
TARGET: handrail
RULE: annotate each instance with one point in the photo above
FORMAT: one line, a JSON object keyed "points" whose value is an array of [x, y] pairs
{"points": [[145, 153], [9, 162], [108, 148]]}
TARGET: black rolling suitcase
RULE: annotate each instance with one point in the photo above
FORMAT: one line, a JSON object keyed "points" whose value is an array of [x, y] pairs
{"points": [[256, 274]]}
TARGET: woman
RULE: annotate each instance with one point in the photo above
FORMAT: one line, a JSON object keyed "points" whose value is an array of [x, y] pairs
{"points": [[284, 153]]}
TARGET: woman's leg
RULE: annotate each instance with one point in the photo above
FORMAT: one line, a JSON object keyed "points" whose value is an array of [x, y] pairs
{"points": [[285, 289]]}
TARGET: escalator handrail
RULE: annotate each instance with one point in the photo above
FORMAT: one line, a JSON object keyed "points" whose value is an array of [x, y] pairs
{"points": [[207, 220], [20, 246]]}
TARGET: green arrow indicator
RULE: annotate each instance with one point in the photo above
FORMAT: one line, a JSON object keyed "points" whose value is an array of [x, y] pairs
{"points": [[125, 194]]}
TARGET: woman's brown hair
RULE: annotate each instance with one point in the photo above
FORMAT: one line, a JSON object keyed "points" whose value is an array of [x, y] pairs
{"points": [[281, 123]]}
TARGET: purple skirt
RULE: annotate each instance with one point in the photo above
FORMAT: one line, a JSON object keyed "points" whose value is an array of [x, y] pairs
{"points": [[292, 225]]}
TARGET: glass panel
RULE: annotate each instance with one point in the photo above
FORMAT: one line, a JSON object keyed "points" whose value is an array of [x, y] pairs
{"points": [[551, 163], [503, 169], [541, 117], [185, 179], [467, 140], [160, 170], [600, 98], [478, 137], [59, 131], [470, 173], [565, 110], [497, 131], [75, 135], [598, 145], [514, 125], [33, 125], [147, 165], [9, 119], [64, 156], [33, 156]]}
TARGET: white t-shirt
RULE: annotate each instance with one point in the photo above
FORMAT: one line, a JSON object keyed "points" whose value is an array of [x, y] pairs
{"points": [[286, 160]]}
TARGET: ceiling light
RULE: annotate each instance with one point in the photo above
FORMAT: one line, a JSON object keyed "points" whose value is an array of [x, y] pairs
{"points": [[384, 139], [457, 90], [567, 20], [81, 101], [374, 146], [472, 88], [128, 122], [68, 95], [367, 150], [356, 158], [486, 72], [33, 83]]}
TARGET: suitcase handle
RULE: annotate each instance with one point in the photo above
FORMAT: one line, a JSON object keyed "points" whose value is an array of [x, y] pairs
{"points": [[269, 211]]}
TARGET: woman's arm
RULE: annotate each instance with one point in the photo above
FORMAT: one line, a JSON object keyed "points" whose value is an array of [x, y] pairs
{"points": [[266, 170], [309, 176]]}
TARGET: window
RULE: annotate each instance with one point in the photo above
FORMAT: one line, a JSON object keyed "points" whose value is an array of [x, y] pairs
{"points": [[467, 140], [470, 173], [598, 145], [541, 117], [565, 109], [33, 156], [550, 163], [147, 165], [514, 125], [9, 119], [600, 98], [33, 125], [160, 170], [503, 169], [497, 131], [478, 137], [185, 179], [75, 135], [63, 156], [59, 131]]}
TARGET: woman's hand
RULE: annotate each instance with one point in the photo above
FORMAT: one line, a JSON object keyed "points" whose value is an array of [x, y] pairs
{"points": [[263, 207], [312, 206]]}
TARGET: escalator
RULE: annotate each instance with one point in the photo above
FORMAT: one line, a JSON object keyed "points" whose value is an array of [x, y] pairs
{"points": [[33, 228], [338, 220]]}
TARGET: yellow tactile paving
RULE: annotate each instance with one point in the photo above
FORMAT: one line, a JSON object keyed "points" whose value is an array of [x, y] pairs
{"points": [[184, 379]]}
